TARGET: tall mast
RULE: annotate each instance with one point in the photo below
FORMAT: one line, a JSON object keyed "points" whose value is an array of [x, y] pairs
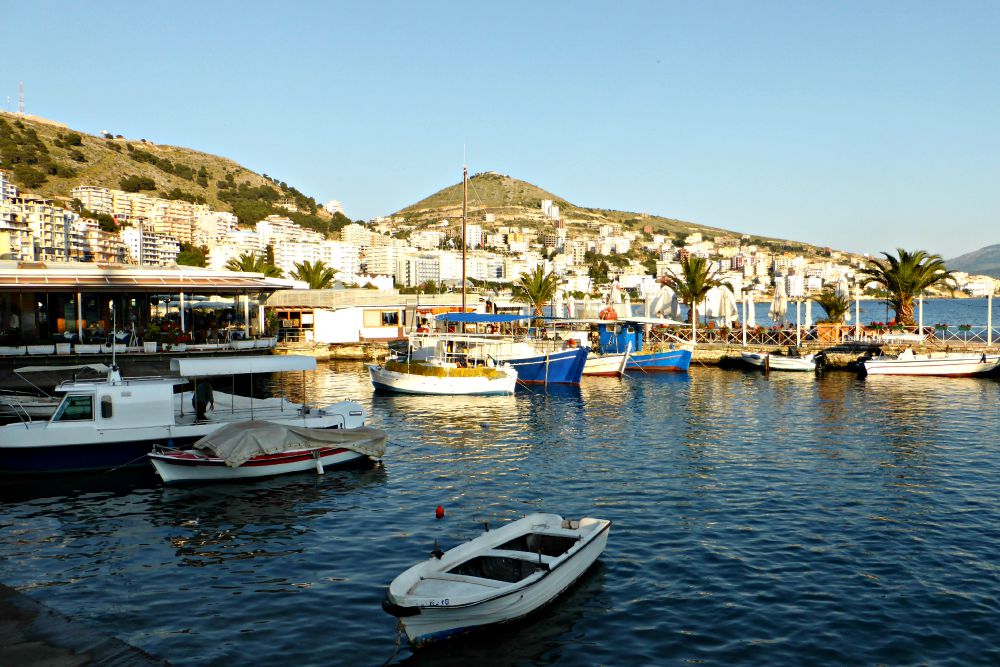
{"points": [[465, 211]]}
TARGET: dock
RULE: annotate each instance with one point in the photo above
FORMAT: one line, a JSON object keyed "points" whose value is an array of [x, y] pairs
{"points": [[33, 635]]}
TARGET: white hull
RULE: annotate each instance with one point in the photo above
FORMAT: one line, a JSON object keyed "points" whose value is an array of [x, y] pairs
{"points": [[179, 467], [412, 383], [777, 362], [935, 363], [605, 364], [434, 603]]}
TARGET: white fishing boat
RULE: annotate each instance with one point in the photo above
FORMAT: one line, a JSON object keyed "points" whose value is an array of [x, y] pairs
{"points": [[38, 404], [245, 450], [438, 376], [955, 364], [114, 421], [500, 576], [779, 362], [607, 365]]}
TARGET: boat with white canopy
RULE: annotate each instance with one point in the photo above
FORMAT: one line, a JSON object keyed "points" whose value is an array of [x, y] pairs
{"points": [[38, 404], [954, 364], [114, 421], [500, 576], [779, 362]]}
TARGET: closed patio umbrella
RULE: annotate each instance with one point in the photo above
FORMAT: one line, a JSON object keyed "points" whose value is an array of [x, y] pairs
{"points": [[779, 304]]}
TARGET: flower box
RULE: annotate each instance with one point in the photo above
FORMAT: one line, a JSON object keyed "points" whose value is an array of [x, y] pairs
{"points": [[41, 349], [149, 346], [87, 348], [64, 348], [12, 350]]}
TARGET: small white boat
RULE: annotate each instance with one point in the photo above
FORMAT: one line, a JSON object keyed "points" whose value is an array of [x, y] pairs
{"points": [[955, 364], [444, 378], [608, 365], [779, 362], [245, 450], [500, 576], [38, 404]]}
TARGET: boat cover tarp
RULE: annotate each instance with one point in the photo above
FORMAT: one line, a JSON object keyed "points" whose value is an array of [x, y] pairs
{"points": [[237, 442], [97, 368], [193, 367]]}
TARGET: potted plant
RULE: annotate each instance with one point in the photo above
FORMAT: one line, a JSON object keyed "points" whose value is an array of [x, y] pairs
{"points": [[836, 306]]}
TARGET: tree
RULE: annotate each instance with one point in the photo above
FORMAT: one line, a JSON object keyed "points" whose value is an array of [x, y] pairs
{"points": [[835, 304], [318, 275], [191, 255], [251, 263], [694, 281], [904, 277], [536, 288]]}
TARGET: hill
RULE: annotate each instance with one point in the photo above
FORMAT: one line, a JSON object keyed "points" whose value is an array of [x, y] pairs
{"points": [[982, 262], [515, 202], [50, 159]]}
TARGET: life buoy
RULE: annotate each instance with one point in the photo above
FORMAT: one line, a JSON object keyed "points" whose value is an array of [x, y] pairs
{"points": [[490, 329], [608, 314], [571, 343]]}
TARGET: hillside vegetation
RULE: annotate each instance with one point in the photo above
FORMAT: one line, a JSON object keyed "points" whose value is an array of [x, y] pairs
{"points": [[50, 159], [982, 262]]}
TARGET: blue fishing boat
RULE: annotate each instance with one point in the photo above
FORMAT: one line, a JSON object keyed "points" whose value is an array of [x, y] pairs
{"points": [[537, 358], [616, 337]]}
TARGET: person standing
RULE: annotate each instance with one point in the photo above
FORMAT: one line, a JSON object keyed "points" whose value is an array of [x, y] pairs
{"points": [[203, 397]]}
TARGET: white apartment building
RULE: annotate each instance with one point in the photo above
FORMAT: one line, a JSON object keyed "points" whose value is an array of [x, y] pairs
{"points": [[414, 270], [8, 190], [473, 236], [234, 244], [427, 240], [147, 248], [341, 256], [278, 229], [334, 206], [357, 235], [381, 260], [212, 227], [613, 244]]}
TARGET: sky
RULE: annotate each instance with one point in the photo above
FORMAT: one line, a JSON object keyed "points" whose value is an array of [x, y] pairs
{"points": [[863, 126]]}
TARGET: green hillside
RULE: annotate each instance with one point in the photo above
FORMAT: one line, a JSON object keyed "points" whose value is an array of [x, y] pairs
{"points": [[982, 262], [50, 159]]}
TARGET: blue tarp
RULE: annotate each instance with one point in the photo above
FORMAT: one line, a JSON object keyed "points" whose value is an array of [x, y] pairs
{"points": [[480, 318]]}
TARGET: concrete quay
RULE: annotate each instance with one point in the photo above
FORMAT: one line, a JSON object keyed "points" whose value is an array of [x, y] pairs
{"points": [[33, 635]]}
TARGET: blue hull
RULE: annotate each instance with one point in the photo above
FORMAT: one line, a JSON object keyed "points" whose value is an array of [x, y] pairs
{"points": [[671, 360], [80, 458], [562, 367]]}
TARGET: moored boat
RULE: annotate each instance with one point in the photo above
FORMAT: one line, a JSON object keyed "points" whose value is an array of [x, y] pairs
{"points": [[443, 378], [499, 576], [954, 364], [245, 450], [114, 421], [627, 334], [779, 362], [607, 365]]}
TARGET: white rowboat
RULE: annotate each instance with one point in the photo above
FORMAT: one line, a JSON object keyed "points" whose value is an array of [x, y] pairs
{"points": [[500, 576], [778, 362], [442, 378]]}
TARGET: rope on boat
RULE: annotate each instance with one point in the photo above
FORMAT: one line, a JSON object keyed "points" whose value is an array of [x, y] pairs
{"points": [[399, 642]]}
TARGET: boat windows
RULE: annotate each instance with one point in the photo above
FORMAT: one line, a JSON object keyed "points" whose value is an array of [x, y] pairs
{"points": [[106, 409], [510, 570], [75, 408], [548, 545]]}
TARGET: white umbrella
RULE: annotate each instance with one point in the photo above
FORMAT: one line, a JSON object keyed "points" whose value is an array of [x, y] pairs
{"points": [[709, 307], [571, 306], [749, 316], [557, 304], [586, 312], [727, 307], [675, 307], [616, 293], [843, 290], [627, 305], [779, 304], [809, 314]]}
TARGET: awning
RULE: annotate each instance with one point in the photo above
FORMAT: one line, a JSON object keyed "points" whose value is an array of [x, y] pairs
{"points": [[480, 318], [242, 365]]}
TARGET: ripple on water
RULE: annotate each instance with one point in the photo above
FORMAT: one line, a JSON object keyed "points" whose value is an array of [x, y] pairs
{"points": [[757, 520]]}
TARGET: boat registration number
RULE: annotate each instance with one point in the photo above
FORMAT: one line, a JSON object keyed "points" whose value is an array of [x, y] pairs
{"points": [[439, 603]]}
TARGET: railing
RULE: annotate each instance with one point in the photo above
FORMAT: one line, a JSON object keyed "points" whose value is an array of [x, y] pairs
{"points": [[831, 334]]}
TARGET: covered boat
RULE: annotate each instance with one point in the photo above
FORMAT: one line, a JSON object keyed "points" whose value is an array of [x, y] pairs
{"points": [[250, 449], [955, 364], [500, 576], [779, 362]]}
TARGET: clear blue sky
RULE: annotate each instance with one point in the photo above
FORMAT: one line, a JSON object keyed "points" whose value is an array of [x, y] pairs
{"points": [[859, 125]]}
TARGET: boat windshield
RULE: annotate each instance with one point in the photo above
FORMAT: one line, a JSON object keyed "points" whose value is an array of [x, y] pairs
{"points": [[75, 407]]}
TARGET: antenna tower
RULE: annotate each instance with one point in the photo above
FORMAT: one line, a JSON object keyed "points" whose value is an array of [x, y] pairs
{"points": [[20, 97]]}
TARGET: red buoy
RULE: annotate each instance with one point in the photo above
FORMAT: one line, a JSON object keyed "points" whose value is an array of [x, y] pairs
{"points": [[439, 512]]}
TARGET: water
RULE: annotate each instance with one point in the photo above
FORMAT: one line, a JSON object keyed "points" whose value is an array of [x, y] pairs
{"points": [[786, 519]]}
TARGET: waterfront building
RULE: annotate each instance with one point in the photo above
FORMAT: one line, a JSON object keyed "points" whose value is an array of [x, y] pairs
{"points": [[65, 301], [473, 236]]}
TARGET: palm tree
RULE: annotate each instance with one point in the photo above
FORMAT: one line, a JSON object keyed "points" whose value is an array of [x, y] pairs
{"points": [[693, 282], [835, 304], [905, 277], [318, 275], [536, 288], [248, 262]]}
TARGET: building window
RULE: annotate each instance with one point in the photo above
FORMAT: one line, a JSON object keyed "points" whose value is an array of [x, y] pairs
{"points": [[381, 318]]}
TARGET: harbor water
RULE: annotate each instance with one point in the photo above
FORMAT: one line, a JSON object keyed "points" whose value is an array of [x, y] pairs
{"points": [[758, 520]]}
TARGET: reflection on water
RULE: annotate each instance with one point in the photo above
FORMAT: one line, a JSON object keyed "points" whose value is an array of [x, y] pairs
{"points": [[786, 518]]}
